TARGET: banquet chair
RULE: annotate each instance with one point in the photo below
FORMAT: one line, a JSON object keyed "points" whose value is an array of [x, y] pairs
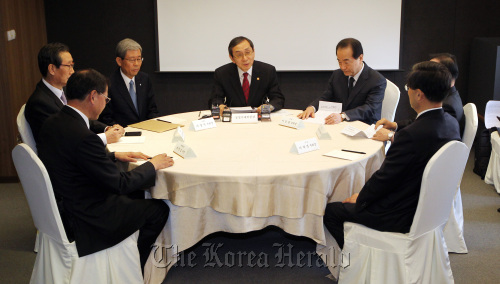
{"points": [[419, 256], [57, 260], [493, 172], [454, 229], [389, 105], [25, 130]]}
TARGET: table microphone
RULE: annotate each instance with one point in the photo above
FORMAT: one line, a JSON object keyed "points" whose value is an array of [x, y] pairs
{"points": [[226, 115], [265, 111], [215, 111]]}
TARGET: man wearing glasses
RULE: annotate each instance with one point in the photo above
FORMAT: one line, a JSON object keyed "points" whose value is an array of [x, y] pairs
{"points": [[56, 66], [131, 91], [246, 82], [358, 87]]}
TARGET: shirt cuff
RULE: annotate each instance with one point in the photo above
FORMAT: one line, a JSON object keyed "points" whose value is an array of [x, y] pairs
{"points": [[103, 138]]}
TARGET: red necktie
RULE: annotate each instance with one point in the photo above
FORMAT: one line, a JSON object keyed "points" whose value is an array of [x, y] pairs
{"points": [[246, 86]]}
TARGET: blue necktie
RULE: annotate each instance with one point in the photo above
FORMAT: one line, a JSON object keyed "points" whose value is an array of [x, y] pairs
{"points": [[63, 99], [133, 95]]}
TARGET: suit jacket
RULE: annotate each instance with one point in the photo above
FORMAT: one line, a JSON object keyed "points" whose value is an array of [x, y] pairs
{"points": [[389, 199], [42, 104], [452, 104], [88, 186], [264, 84], [121, 110], [365, 102]]}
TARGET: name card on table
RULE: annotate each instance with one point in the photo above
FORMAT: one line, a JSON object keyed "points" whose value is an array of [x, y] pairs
{"points": [[368, 132], [322, 133], [304, 146], [292, 122], [245, 118], [203, 124], [183, 150], [330, 107], [179, 135]]}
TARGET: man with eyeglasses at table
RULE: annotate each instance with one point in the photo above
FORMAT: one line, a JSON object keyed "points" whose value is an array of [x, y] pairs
{"points": [[358, 87], [246, 82], [56, 66], [131, 91]]}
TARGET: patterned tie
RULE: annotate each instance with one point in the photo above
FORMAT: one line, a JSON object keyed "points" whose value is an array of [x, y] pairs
{"points": [[351, 85], [133, 95], [246, 86], [63, 99]]}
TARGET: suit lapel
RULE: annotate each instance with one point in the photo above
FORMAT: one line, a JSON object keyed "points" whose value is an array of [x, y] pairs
{"points": [[254, 86], [235, 81], [123, 91], [51, 95], [363, 77], [139, 91]]}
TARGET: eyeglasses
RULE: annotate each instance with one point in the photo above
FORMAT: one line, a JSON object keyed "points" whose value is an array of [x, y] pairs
{"points": [[406, 88], [239, 55], [71, 66], [134, 60], [108, 99]]}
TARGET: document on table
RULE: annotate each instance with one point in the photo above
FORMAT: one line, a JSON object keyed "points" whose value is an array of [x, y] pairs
{"points": [[241, 109], [132, 140], [344, 155], [173, 119], [368, 132], [325, 109]]}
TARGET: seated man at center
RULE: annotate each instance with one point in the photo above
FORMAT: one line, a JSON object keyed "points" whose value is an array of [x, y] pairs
{"points": [[246, 82]]}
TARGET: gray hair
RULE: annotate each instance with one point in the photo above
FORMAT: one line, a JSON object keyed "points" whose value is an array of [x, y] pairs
{"points": [[126, 44]]}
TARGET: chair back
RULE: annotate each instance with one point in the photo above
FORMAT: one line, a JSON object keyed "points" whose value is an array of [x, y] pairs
{"points": [[390, 102], [491, 114], [25, 130], [38, 190], [471, 121], [439, 184]]}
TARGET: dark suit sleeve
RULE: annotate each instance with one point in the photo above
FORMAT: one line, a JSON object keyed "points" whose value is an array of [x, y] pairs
{"points": [[396, 164], [97, 126], [403, 123], [152, 108], [374, 98], [328, 94], [276, 98], [96, 164]]}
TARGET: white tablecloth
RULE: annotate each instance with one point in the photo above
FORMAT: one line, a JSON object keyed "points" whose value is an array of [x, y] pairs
{"points": [[245, 178], [493, 172]]}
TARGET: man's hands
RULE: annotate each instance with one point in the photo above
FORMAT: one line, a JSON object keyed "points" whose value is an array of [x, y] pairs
{"points": [[162, 161], [130, 156], [386, 124], [114, 133], [351, 199], [333, 118], [309, 112], [383, 133]]}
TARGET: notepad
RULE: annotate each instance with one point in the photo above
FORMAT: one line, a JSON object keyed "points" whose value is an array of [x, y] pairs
{"points": [[155, 125]]}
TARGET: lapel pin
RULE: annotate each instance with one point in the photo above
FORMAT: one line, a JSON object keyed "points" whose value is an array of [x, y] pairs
{"points": [[258, 78]]}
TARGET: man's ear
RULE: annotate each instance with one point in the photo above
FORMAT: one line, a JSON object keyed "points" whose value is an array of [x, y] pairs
{"points": [[119, 61], [51, 69], [93, 97]]}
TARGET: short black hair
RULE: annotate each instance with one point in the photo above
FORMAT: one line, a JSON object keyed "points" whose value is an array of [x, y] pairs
{"points": [[432, 78], [50, 54], [357, 48], [83, 82], [235, 41], [449, 60]]}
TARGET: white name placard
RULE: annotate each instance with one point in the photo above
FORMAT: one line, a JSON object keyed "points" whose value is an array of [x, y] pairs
{"points": [[245, 118], [304, 146], [184, 151], [322, 133], [179, 135], [330, 107], [368, 132], [292, 122], [203, 124]]}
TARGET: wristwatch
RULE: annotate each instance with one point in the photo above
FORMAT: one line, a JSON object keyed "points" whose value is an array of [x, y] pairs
{"points": [[390, 134], [343, 116]]}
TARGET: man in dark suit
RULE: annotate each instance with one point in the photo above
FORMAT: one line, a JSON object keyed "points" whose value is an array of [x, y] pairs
{"points": [[131, 91], [359, 88], [389, 199], [452, 104], [56, 66], [246, 82], [89, 188]]}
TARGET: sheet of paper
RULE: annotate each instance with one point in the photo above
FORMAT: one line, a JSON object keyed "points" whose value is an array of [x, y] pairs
{"points": [[339, 154], [173, 119], [330, 107], [353, 131], [319, 117], [155, 125], [132, 140], [241, 109], [281, 112]]}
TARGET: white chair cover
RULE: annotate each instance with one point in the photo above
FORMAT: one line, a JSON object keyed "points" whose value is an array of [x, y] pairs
{"points": [[493, 171], [57, 260], [390, 104], [25, 130], [454, 229], [421, 256], [491, 113]]}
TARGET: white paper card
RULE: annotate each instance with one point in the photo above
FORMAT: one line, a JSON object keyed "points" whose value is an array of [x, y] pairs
{"points": [[330, 107], [304, 146], [245, 118], [353, 131], [203, 124], [343, 155], [132, 140], [245, 109], [179, 135], [322, 133], [183, 150], [292, 122]]}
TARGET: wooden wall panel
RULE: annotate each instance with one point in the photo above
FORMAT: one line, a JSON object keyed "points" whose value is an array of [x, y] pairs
{"points": [[19, 69]]}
